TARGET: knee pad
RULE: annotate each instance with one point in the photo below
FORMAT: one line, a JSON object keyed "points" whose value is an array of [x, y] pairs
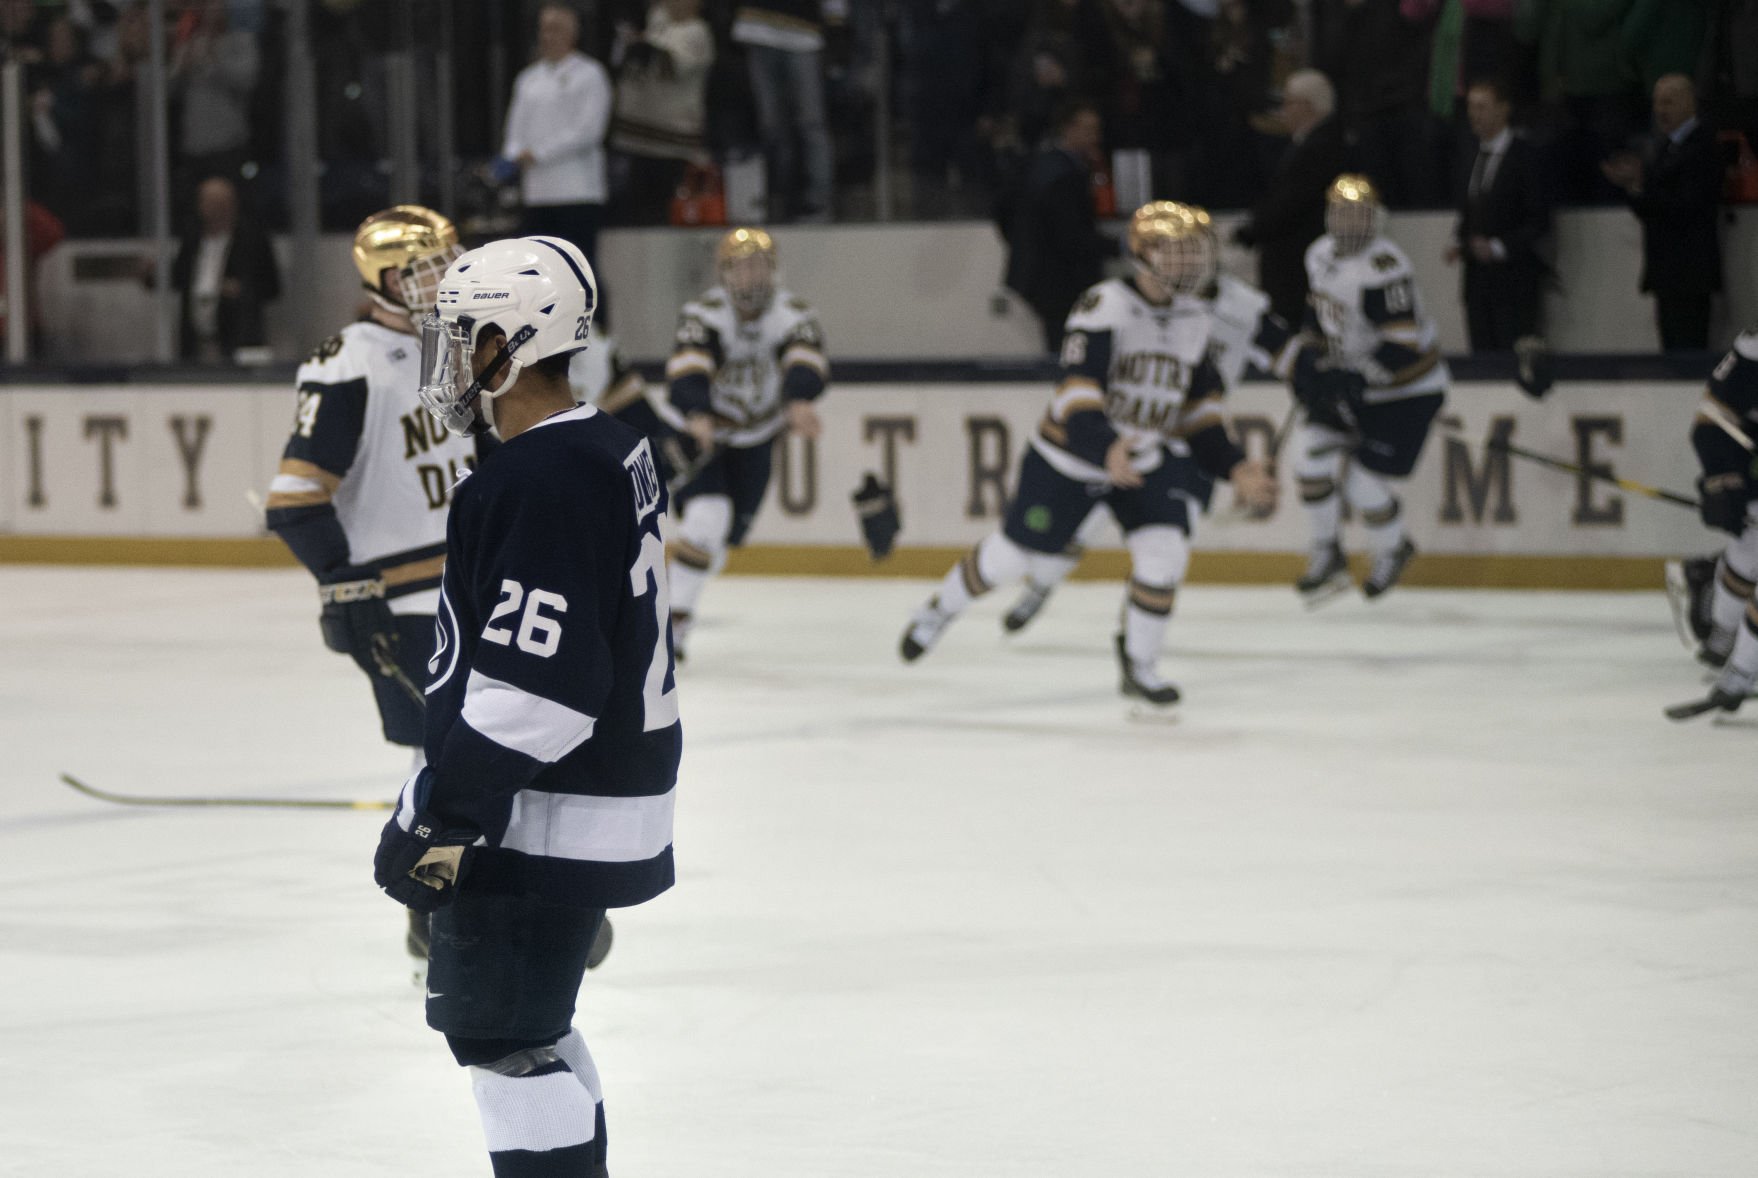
{"points": [[1316, 490], [1320, 453], [504, 1057], [1379, 517], [1369, 493], [703, 531], [1158, 557], [1732, 582]]}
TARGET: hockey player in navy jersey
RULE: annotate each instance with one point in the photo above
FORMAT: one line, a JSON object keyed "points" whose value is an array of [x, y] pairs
{"points": [[552, 727], [1722, 434], [1136, 424]]}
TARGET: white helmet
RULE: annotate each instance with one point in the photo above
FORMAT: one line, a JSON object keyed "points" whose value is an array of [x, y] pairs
{"points": [[539, 292]]}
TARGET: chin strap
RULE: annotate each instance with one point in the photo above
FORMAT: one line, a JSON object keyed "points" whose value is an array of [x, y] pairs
{"points": [[478, 394]]}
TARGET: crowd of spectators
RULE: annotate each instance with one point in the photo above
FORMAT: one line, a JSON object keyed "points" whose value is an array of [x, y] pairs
{"points": [[1196, 85], [1235, 104]]}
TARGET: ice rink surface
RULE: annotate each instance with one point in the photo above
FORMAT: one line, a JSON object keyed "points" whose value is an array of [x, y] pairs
{"points": [[1422, 890]]}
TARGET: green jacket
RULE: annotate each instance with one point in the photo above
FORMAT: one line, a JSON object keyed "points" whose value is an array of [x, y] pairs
{"points": [[1580, 43], [1665, 37]]}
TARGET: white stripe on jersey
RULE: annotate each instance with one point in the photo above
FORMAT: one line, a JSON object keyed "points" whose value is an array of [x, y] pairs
{"points": [[592, 829], [540, 728]]}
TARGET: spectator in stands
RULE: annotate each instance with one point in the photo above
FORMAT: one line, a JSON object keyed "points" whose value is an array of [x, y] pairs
{"points": [[1472, 39], [1586, 77], [1503, 214], [1141, 107], [62, 120], [1056, 248], [1377, 57], [112, 206], [660, 106], [784, 46], [555, 134], [1238, 124], [1291, 215], [214, 70], [1730, 65], [42, 233], [1676, 193], [226, 271], [1665, 37]]}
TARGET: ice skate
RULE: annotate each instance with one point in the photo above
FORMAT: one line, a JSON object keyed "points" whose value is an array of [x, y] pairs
{"points": [[1026, 608], [1326, 575], [1388, 567], [924, 631], [1142, 682]]}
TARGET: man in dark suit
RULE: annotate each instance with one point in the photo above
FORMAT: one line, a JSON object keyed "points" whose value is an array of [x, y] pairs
{"points": [[1291, 216], [1503, 213], [1057, 250], [1676, 195], [225, 269]]}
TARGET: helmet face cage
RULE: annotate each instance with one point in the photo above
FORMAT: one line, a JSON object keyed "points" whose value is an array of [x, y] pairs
{"points": [[1184, 263], [1354, 215], [749, 280], [448, 391], [419, 279]]}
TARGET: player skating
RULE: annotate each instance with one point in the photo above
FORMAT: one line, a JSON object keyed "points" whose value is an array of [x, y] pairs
{"points": [[1135, 424], [1243, 331], [552, 721], [1370, 400], [361, 493], [749, 363], [1727, 491]]}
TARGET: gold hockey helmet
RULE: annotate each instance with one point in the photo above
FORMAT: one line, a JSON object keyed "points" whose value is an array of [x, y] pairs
{"points": [[1175, 243], [746, 262], [416, 242], [1354, 213]]}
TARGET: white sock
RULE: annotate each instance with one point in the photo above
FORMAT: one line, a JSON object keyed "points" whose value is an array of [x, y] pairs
{"points": [[541, 1123], [1319, 471], [995, 561], [1731, 596], [1382, 517], [1159, 557]]}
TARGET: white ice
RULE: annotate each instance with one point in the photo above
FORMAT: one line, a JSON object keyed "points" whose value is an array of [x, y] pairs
{"points": [[1421, 890]]}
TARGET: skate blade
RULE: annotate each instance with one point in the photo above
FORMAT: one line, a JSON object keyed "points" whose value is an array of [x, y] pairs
{"points": [[1328, 592], [1161, 715], [1678, 598]]}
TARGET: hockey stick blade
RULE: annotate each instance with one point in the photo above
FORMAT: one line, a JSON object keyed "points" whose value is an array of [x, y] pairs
{"points": [[90, 791], [1678, 598]]}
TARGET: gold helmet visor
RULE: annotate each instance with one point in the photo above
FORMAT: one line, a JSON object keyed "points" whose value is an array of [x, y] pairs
{"points": [[1175, 243], [415, 242]]}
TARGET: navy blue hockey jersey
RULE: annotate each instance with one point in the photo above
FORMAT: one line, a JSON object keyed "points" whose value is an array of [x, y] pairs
{"points": [[552, 711]]}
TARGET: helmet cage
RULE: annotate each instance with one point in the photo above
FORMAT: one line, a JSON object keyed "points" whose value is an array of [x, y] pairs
{"points": [[1184, 263], [1353, 224], [419, 279], [455, 397], [749, 280]]}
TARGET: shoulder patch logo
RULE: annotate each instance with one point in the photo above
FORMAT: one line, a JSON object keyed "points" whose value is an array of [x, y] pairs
{"points": [[645, 478]]}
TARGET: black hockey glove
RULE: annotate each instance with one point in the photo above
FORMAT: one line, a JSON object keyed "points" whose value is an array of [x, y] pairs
{"points": [[1722, 500], [1535, 371], [877, 507], [355, 613], [1329, 394], [419, 863]]}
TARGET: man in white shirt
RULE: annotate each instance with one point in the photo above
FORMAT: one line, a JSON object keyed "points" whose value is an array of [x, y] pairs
{"points": [[555, 134]]}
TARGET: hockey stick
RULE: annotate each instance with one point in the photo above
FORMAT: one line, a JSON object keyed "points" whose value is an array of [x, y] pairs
{"points": [[1723, 419], [1623, 484], [73, 782], [387, 666]]}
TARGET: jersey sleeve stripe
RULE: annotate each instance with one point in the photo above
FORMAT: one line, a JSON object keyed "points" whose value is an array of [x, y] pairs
{"points": [[1198, 416], [590, 828], [811, 357], [1073, 396], [300, 469], [415, 570], [539, 728], [692, 360], [1418, 370]]}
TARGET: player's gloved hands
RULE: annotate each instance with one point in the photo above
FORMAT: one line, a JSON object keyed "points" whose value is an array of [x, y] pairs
{"points": [[1327, 391], [1254, 482], [877, 508], [701, 427], [355, 612], [418, 862], [1722, 500], [1534, 373]]}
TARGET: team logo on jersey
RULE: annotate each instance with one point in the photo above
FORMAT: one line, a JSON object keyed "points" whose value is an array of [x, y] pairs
{"points": [[645, 478], [445, 644]]}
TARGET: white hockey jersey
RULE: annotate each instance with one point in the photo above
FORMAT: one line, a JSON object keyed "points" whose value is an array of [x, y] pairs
{"points": [[1373, 321], [753, 367], [363, 445], [1146, 366]]}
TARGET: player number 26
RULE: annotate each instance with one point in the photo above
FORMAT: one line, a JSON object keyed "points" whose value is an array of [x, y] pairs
{"points": [[539, 633]]}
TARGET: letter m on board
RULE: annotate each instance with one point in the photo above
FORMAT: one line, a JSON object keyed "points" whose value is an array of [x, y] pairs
{"points": [[1471, 486]]}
